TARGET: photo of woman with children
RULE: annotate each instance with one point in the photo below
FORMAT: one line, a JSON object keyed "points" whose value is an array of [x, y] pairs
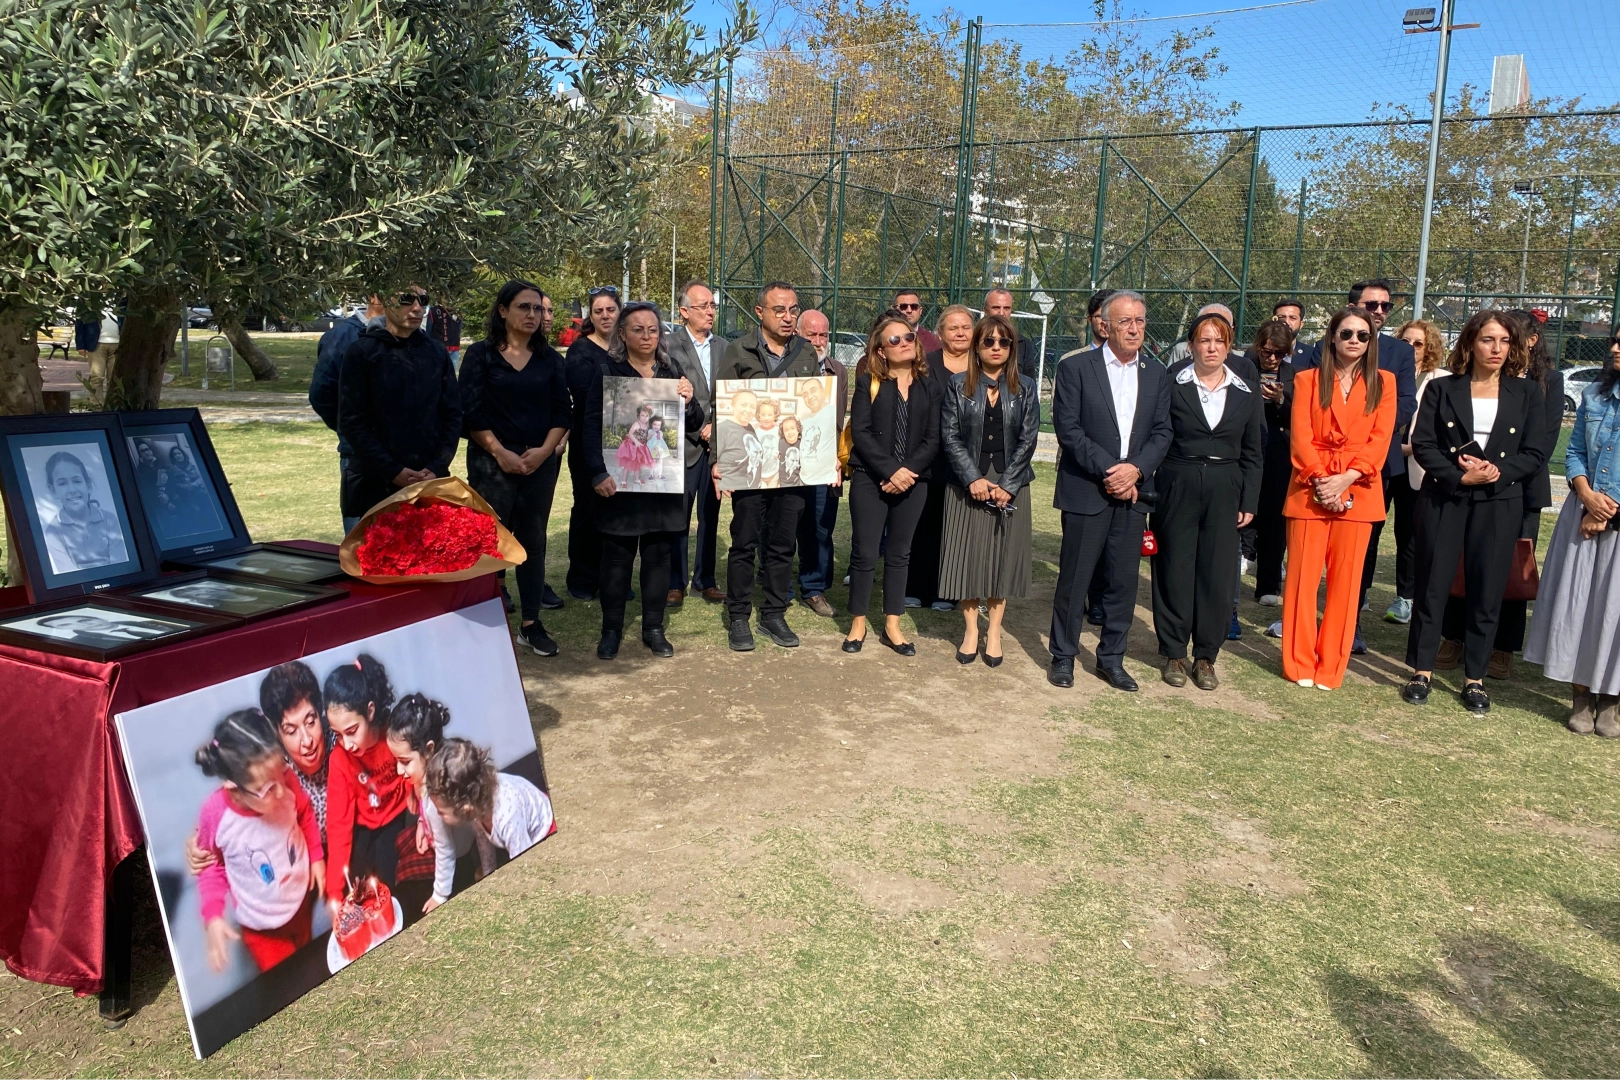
{"points": [[775, 433], [299, 817]]}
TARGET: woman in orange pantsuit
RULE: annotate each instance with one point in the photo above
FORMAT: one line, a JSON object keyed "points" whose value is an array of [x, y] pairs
{"points": [[1344, 414]]}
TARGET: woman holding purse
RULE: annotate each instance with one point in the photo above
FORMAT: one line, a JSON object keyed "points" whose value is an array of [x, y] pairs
{"points": [[1478, 437]]}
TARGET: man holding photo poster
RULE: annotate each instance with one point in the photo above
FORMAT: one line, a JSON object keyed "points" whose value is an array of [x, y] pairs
{"points": [[773, 351]]}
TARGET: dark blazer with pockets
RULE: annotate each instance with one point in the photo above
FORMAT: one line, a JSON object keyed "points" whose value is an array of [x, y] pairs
{"points": [[872, 423], [1088, 433], [1516, 445], [684, 353]]}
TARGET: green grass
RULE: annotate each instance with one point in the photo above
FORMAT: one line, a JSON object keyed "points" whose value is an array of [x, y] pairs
{"points": [[1266, 881], [294, 355]]}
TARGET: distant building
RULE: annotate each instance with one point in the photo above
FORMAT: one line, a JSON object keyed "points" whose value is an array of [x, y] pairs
{"points": [[662, 106], [1510, 84]]}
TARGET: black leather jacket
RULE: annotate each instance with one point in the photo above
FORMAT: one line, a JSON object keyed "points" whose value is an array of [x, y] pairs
{"points": [[961, 430]]}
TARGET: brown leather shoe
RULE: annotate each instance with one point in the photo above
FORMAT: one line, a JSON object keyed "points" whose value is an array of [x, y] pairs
{"points": [[818, 604], [1204, 675], [1583, 717], [712, 595], [1449, 656], [1608, 716], [1175, 672], [1501, 665], [676, 598]]}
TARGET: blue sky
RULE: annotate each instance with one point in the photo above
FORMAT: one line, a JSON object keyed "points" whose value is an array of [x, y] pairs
{"points": [[1327, 61]]}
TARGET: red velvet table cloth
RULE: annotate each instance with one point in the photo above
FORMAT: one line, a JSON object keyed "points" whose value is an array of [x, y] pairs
{"points": [[67, 815]]}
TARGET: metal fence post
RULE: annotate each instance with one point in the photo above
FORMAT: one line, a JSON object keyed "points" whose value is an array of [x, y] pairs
{"points": [[1102, 203], [964, 154], [838, 240], [714, 178], [1569, 255], [1248, 235], [720, 284], [832, 166], [1299, 237]]}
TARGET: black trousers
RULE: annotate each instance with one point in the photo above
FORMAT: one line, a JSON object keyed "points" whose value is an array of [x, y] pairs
{"points": [[774, 516], [1195, 570], [699, 493], [922, 578], [1400, 503], [871, 509], [1515, 617], [618, 556], [1271, 528], [1111, 539], [1482, 535], [584, 542], [523, 503]]}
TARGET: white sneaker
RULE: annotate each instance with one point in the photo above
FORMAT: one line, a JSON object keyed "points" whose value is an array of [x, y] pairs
{"points": [[1275, 629], [846, 579], [943, 605], [1399, 612], [1245, 567], [912, 601], [1270, 600]]}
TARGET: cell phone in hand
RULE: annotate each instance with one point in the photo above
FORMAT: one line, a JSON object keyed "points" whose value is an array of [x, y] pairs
{"points": [[1471, 448]]}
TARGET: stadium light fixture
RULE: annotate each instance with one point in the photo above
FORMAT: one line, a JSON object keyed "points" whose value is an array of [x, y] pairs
{"points": [[1418, 16]]}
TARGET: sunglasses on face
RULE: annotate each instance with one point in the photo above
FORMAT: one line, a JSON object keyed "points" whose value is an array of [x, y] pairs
{"points": [[1354, 335], [996, 343], [895, 339], [1272, 354], [528, 309], [1378, 305], [908, 307], [406, 299]]}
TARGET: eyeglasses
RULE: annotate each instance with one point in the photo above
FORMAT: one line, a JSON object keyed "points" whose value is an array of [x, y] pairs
{"points": [[710, 306], [407, 299], [1378, 305], [1354, 335], [643, 331], [528, 309], [1128, 324], [996, 343], [1272, 354], [895, 339], [780, 311], [908, 307]]}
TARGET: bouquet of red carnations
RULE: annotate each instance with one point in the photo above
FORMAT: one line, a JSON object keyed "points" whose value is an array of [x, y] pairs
{"points": [[437, 530]]}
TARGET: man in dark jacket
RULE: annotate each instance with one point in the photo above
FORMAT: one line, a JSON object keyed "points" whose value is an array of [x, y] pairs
{"points": [[774, 351], [323, 382], [399, 407]]}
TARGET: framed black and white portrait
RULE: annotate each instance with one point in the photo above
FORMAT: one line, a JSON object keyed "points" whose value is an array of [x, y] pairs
{"points": [[242, 597], [104, 627], [188, 501], [70, 495], [275, 562]]}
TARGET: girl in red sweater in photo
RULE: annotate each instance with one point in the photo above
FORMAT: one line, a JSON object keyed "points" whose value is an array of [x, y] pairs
{"points": [[367, 801]]}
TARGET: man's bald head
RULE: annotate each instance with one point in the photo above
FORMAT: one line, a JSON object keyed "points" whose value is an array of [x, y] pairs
{"points": [[814, 328], [998, 302]]}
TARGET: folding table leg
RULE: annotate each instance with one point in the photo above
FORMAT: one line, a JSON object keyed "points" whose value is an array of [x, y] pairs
{"points": [[117, 957]]}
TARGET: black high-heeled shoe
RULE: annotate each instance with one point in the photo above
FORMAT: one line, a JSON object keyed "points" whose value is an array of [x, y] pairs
{"points": [[904, 648], [991, 661], [853, 645], [966, 658]]}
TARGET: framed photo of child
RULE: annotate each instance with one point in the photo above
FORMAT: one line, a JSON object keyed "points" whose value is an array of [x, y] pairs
{"points": [[774, 433], [300, 817], [643, 428]]}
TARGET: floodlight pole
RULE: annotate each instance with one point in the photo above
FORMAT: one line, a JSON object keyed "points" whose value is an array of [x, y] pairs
{"points": [[1438, 110]]}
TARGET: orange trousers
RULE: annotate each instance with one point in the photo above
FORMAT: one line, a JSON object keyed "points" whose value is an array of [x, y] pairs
{"points": [[1322, 652]]}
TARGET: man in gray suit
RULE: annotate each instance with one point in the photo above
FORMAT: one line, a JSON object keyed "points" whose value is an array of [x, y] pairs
{"points": [[696, 350]]}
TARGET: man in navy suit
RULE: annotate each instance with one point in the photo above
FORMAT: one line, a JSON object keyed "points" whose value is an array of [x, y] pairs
{"points": [[1395, 356], [1292, 312], [1111, 413]]}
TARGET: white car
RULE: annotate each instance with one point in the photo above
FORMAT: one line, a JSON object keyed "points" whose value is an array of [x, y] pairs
{"points": [[1576, 380], [848, 348]]}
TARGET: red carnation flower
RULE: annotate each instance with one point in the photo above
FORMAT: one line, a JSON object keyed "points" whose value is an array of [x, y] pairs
{"points": [[426, 538]]}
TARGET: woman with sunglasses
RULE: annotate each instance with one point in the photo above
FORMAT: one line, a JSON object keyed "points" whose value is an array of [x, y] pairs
{"points": [[1273, 352], [894, 422], [1573, 634], [628, 522], [955, 331], [1343, 418], [514, 397], [587, 354], [1209, 487], [989, 427], [1479, 436]]}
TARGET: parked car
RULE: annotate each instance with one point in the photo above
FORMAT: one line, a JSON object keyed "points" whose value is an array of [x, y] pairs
{"points": [[1576, 380], [199, 318], [848, 348]]}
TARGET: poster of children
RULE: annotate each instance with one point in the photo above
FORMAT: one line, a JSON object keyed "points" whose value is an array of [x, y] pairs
{"points": [[643, 423], [775, 432], [298, 817]]}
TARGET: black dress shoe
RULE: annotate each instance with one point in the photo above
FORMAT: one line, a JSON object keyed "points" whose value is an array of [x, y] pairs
{"points": [[1062, 672], [549, 600], [582, 595], [1117, 677], [1475, 699], [991, 661], [608, 647], [965, 658], [1094, 615], [853, 645], [776, 628], [904, 648], [653, 637], [1416, 692], [739, 637]]}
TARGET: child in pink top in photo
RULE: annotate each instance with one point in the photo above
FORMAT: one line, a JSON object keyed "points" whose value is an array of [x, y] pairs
{"points": [[633, 457], [261, 832]]}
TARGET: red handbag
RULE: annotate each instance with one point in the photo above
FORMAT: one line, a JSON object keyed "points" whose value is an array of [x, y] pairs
{"points": [[1524, 580], [1150, 544]]}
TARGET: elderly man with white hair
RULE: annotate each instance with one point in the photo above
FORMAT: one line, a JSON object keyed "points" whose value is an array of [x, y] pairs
{"points": [[821, 508]]}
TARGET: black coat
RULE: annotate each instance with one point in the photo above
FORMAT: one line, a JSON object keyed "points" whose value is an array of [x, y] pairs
{"points": [[1088, 433], [1236, 438], [872, 424], [1445, 421], [579, 370], [398, 407], [1538, 489], [630, 513], [961, 431], [521, 408]]}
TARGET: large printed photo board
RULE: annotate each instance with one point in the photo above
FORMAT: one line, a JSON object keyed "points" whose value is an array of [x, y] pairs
{"points": [[298, 817], [776, 433]]}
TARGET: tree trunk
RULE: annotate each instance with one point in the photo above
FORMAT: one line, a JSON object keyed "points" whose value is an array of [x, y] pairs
{"points": [[135, 376], [22, 386], [230, 324]]}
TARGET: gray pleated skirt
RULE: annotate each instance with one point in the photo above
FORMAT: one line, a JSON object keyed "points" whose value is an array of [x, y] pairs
{"points": [[1573, 632], [983, 554]]}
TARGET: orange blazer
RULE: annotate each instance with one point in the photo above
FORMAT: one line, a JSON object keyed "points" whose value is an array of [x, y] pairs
{"points": [[1325, 442]]}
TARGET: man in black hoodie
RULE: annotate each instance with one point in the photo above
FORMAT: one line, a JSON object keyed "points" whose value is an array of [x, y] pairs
{"points": [[774, 351], [399, 407]]}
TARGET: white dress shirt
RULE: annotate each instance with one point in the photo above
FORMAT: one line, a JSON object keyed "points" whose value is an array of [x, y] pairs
{"points": [[1213, 401], [703, 349], [1123, 380]]}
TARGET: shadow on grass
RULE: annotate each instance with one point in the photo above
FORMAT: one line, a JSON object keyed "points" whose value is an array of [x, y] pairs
{"points": [[1392, 1030], [1599, 916]]}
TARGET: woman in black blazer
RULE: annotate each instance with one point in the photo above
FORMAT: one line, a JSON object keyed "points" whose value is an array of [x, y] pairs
{"points": [[895, 426], [1478, 436], [628, 521], [1209, 488]]}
